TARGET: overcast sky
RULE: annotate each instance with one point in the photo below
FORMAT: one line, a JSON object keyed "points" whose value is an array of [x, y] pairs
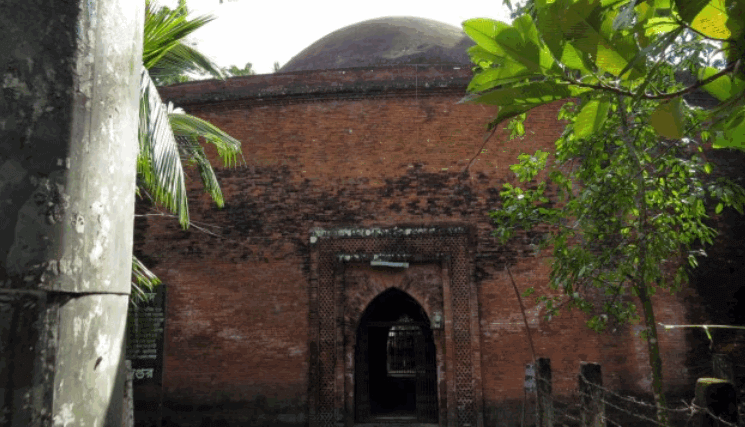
{"points": [[264, 31]]}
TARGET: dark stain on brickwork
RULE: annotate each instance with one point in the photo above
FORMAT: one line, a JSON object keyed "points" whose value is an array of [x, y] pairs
{"points": [[270, 209]]}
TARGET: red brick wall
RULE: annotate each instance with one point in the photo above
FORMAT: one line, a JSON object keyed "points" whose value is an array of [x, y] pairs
{"points": [[237, 326]]}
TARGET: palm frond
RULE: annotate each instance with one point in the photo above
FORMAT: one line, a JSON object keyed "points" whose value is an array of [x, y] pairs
{"points": [[193, 152], [183, 59], [228, 148], [188, 129], [164, 51], [166, 136], [158, 162], [142, 278]]}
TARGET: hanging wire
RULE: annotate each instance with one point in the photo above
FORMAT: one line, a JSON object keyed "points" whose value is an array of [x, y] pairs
{"points": [[568, 406]]}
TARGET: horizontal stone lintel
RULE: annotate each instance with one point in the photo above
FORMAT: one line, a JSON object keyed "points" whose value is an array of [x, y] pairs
{"points": [[391, 257], [318, 233]]}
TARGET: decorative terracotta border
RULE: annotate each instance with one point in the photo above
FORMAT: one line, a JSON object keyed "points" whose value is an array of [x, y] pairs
{"points": [[452, 245]]}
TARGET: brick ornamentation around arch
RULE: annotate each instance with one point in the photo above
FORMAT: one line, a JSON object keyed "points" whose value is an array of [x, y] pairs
{"points": [[452, 247]]}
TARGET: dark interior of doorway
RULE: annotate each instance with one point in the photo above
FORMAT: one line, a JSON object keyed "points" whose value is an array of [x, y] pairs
{"points": [[389, 395], [381, 395]]}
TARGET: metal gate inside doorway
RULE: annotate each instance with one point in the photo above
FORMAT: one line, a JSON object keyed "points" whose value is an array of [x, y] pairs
{"points": [[396, 374]]}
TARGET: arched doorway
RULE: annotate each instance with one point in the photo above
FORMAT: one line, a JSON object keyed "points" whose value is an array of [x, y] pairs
{"points": [[395, 363]]}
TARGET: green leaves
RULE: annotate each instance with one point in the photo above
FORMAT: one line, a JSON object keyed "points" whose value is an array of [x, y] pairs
{"points": [[668, 119], [614, 47], [529, 49], [144, 280], [638, 202], [732, 134], [659, 25], [533, 93], [505, 73], [158, 161], [688, 9], [188, 126], [164, 52], [574, 59], [509, 112], [519, 44], [168, 137], [484, 32], [529, 166], [724, 87], [707, 17], [633, 194], [588, 26], [521, 98], [482, 57], [717, 19], [591, 118], [188, 129]]}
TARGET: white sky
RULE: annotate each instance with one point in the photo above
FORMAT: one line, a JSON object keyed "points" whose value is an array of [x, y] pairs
{"points": [[264, 31]]}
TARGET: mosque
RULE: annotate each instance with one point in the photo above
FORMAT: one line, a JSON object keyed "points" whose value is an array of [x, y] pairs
{"points": [[352, 277]]}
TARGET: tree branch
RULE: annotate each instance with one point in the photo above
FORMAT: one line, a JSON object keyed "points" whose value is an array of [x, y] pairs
{"points": [[525, 318], [494, 129], [671, 95]]}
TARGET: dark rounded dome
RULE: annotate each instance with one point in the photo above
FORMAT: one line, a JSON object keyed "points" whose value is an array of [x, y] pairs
{"points": [[384, 42]]}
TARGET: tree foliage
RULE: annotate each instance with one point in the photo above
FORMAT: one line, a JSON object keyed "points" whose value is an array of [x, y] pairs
{"points": [[611, 46], [630, 179], [233, 70]]}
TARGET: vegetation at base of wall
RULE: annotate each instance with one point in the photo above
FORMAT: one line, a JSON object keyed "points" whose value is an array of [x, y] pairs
{"points": [[632, 184]]}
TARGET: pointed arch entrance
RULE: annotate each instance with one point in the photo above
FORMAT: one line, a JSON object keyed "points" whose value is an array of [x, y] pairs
{"points": [[338, 278], [395, 362]]}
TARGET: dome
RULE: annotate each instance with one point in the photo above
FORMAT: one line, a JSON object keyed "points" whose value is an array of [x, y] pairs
{"points": [[385, 41]]}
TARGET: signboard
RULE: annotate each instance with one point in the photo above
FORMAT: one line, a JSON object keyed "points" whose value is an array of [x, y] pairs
{"points": [[145, 326]]}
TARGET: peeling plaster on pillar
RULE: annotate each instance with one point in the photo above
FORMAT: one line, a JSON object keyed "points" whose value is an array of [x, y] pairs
{"points": [[65, 417], [69, 146], [79, 224]]}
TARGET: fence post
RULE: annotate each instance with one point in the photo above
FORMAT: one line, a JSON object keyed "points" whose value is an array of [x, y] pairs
{"points": [[530, 392], [129, 408], [722, 367], [591, 395], [545, 402], [716, 400]]}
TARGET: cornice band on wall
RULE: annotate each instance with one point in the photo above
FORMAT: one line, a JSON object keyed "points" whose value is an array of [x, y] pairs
{"points": [[322, 85]]}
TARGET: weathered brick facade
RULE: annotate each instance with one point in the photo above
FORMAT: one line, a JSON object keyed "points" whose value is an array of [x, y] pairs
{"points": [[357, 150]]}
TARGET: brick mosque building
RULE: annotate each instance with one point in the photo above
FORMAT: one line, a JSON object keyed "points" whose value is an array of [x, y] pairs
{"points": [[352, 277]]}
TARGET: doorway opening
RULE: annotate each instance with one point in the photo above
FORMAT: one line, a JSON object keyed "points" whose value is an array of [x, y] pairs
{"points": [[395, 362]]}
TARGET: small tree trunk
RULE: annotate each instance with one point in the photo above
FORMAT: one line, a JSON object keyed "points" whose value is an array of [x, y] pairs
{"points": [[639, 283], [655, 361]]}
